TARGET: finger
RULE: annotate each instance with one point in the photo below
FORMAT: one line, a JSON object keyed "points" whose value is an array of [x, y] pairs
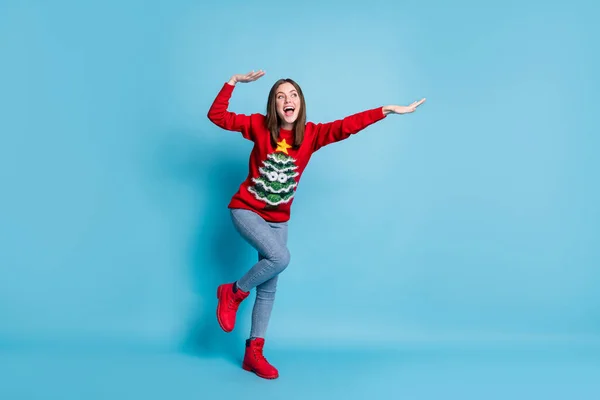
{"points": [[420, 102]]}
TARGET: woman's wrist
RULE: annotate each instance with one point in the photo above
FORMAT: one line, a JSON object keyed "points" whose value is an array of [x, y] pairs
{"points": [[232, 81]]}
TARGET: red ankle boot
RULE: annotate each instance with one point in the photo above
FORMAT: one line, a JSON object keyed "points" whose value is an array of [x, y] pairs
{"points": [[254, 361], [229, 301]]}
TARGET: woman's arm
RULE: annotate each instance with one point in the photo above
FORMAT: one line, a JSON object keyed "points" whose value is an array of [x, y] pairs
{"points": [[341, 129], [219, 113], [331, 132]]}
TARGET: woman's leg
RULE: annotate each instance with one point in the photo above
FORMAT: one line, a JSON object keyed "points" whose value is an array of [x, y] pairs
{"points": [[265, 292], [269, 240], [263, 305]]}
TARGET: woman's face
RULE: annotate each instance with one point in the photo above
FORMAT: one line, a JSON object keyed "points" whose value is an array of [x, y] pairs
{"points": [[288, 104]]}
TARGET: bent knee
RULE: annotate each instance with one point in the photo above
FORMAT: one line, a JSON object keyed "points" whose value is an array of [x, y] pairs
{"points": [[280, 258]]}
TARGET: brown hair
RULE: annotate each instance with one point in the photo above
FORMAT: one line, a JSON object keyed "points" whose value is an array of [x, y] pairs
{"points": [[273, 121]]}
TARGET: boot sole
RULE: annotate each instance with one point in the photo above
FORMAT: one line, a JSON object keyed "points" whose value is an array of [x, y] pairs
{"points": [[219, 289], [250, 369]]}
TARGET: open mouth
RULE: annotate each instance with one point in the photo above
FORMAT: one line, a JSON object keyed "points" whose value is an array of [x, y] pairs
{"points": [[288, 111]]}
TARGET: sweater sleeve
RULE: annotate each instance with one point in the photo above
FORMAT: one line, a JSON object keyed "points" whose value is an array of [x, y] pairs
{"points": [[225, 119], [331, 132]]}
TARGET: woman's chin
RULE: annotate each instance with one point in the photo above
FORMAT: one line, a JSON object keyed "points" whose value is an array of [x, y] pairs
{"points": [[291, 119]]}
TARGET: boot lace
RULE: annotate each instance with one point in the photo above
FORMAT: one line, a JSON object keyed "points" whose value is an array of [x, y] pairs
{"points": [[234, 303], [258, 356]]}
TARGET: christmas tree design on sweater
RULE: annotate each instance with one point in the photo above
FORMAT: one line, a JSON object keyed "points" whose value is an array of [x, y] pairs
{"points": [[276, 183]]}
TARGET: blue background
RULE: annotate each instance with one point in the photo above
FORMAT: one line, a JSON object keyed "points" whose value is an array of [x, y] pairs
{"points": [[475, 219]]}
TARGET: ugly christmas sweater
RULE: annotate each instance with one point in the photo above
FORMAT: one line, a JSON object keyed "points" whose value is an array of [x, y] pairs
{"points": [[274, 172]]}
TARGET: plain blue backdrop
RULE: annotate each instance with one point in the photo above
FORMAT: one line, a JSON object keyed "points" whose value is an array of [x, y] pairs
{"points": [[475, 218]]}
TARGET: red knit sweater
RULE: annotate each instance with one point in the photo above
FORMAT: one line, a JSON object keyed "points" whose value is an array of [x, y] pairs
{"points": [[275, 172]]}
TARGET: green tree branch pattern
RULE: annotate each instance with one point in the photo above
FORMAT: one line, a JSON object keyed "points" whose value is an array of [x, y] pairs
{"points": [[276, 183]]}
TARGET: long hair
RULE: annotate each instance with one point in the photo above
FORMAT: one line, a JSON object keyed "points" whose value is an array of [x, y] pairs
{"points": [[273, 121]]}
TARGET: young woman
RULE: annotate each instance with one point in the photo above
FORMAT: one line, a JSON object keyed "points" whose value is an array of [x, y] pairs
{"points": [[260, 209]]}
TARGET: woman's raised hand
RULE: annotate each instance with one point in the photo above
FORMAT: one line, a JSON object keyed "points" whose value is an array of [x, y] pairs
{"points": [[403, 109], [244, 78]]}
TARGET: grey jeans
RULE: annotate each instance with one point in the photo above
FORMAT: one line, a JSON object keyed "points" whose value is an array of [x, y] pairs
{"points": [[270, 241]]}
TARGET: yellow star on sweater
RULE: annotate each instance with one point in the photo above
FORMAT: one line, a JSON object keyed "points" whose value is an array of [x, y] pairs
{"points": [[283, 146]]}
